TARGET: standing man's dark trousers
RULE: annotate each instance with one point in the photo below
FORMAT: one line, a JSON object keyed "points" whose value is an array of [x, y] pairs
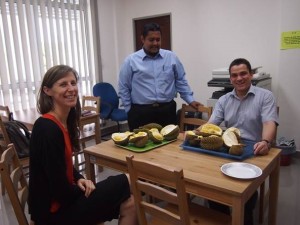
{"points": [[249, 208], [161, 113]]}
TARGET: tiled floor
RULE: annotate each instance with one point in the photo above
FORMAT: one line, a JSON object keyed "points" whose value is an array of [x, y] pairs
{"points": [[288, 199]]}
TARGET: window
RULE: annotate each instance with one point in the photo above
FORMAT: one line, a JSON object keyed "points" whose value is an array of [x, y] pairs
{"points": [[36, 35]]}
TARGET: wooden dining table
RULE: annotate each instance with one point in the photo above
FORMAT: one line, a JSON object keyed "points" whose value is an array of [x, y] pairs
{"points": [[202, 173]]}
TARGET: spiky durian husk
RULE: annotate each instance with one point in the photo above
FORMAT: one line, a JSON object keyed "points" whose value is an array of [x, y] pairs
{"points": [[211, 142]]}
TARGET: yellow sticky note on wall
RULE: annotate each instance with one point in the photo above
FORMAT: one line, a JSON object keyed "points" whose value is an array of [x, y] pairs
{"points": [[290, 39]]}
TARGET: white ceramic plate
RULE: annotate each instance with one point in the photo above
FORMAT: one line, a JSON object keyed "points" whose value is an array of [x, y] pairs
{"points": [[241, 170]]}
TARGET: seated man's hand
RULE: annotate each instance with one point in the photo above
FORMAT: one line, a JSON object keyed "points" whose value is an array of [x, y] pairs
{"points": [[261, 148]]}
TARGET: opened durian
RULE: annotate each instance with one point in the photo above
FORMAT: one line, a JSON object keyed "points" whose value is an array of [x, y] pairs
{"points": [[209, 129], [236, 149], [212, 142], [139, 140], [121, 138], [195, 141], [141, 130], [232, 139], [170, 132], [231, 136], [155, 136], [189, 134]]}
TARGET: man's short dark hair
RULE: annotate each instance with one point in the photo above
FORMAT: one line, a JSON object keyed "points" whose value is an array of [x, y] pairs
{"points": [[150, 27], [240, 61]]}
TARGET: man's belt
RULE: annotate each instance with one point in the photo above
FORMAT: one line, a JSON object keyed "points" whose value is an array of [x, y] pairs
{"points": [[153, 105]]}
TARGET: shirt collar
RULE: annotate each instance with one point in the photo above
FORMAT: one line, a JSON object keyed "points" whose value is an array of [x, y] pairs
{"points": [[144, 55], [251, 91]]}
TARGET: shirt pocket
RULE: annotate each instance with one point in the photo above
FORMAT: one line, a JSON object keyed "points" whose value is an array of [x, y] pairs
{"points": [[167, 73]]}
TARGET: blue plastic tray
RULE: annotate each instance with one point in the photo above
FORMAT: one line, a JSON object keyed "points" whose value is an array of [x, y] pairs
{"points": [[223, 152]]}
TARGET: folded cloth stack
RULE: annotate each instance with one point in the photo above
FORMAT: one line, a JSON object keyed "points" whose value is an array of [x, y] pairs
{"points": [[285, 142]]}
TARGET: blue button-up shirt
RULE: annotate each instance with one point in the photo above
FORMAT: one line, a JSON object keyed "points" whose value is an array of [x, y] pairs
{"points": [[247, 114], [146, 80]]}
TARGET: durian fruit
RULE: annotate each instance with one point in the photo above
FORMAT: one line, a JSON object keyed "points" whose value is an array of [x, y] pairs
{"points": [[209, 129], [139, 140], [236, 149], [141, 130], [195, 141], [189, 134], [152, 125], [237, 133], [121, 138], [212, 142], [192, 138], [234, 129], [170, 132], [155, 136], [231, 136], [154, 130], [232, 139]]}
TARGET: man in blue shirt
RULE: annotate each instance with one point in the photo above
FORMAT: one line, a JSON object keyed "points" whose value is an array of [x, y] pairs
{"points": [[149, 81], [253, 111]]}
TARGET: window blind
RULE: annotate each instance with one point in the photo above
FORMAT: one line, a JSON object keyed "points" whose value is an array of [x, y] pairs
{"points": [[36, 35]]}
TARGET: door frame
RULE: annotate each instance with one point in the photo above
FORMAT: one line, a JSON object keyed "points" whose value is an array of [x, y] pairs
{"points": [[156, 18]]}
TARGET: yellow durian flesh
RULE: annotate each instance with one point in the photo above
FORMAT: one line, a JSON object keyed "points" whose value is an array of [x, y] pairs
{"points": [[189, 134], [155, 136], [120, 138], [209, 129], [139, 139]]}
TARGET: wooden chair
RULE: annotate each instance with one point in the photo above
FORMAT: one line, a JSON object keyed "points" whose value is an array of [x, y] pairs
{"points": [[89, 127], [5, 140], [4, 111], [166, 184], [15, 182], [185, 120], [4, 115], [263, 194]]}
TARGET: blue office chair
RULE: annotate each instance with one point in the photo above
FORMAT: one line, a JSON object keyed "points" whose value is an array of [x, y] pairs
{"points": [[109, 103]]}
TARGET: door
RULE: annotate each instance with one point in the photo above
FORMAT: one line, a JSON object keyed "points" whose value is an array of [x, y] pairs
{"points": [[164, 23]]}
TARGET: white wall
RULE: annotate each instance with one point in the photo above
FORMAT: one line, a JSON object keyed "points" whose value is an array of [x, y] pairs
{"points": [[289, 74], [209, 34]]}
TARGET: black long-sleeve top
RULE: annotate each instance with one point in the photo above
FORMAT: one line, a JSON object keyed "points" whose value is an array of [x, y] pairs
{"points": [[47, 176]]}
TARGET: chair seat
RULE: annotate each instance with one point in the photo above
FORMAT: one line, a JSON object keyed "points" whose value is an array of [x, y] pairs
{"points": [[105, 113], [118, 115]]}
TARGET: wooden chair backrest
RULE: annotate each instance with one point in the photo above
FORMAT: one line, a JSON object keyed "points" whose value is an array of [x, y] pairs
{"points": [[89, 128], [184, 120], [147, 178], [4, 111], [4, 115], [14, 181], [4, 140], [91, 103]]}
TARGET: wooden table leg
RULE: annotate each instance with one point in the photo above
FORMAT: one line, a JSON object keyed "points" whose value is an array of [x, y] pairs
{"points": [[237, 212], [89, 168], [273, 198]]}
